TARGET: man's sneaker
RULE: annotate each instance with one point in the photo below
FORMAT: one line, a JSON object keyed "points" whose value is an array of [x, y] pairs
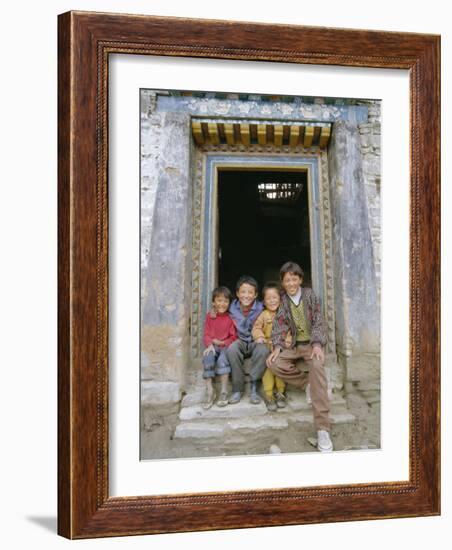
{"points": [[308, 394], [235, 398], [280, 400], [324, 443], [254, 396], [270, 403]]}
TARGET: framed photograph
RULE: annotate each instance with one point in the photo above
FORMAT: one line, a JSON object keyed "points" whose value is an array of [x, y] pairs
{"points": [[248, 275]]}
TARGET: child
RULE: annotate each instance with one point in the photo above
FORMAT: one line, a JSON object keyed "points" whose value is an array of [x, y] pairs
{"points": [[261, 333], [244, 311], [300, 316], [219, 333]]}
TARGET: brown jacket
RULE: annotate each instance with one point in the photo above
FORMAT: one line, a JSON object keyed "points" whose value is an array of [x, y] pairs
{"points": [[283, 323]]}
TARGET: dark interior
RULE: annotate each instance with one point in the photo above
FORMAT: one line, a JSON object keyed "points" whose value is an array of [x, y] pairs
{"points": [[263, 223]]}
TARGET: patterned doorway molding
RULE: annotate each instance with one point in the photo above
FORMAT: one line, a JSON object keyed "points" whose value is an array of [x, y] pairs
{"points": [[208, 160]]}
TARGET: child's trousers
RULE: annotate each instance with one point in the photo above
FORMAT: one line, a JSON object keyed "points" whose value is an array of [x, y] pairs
{"points": [[285, 368], [269, 381], [215, 363], [237, 352]]}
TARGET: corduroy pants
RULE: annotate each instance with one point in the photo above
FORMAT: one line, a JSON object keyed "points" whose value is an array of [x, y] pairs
{"points": [[284, 367]]}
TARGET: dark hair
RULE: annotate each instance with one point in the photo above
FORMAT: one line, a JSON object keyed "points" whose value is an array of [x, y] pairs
{"points": [[290, 267], [246, 280], [269, 286], [222, 291]]}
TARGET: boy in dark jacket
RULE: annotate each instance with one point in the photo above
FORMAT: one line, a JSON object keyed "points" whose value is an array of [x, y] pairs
{"points": [[244, 311]]}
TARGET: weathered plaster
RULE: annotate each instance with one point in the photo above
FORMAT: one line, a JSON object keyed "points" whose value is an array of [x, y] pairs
{"points": [[357, 305], [277, 110]]}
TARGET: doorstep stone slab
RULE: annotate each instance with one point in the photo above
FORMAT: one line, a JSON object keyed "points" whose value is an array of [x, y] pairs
{"points": [[302, 418], [259, 423], [335, 418], [199, 430], [342, 418], [195, 397], [297, 401], [241, 409]]}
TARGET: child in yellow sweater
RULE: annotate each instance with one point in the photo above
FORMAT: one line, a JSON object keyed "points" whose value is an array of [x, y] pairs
{"points": [[261, 334]]}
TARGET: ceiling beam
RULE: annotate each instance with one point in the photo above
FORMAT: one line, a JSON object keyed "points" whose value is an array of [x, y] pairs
{"points": [[308, 136], [245, 133], [229, 133], [262, 134], [213, 133], [324, 136], [197, 132], [278, 130]]}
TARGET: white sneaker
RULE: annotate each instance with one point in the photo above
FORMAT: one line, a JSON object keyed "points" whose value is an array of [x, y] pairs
{"points": [[324, 443], [308, 394]]}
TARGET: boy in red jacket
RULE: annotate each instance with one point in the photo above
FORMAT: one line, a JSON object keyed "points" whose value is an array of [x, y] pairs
{"points": [[219, 333]]}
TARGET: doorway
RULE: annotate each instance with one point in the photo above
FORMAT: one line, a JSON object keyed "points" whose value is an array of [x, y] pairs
{"points": [[263, 218], [272, 205]]}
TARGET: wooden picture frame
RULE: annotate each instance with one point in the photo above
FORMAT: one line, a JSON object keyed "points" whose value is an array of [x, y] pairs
{"points": [[85, 42]]}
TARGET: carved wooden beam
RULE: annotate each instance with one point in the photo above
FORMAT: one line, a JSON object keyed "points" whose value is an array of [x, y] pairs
{"points": [[245, 133], [308, 135], [324, 136], [213, 133], [229, 133], [197, 132], [262, 134], [294, 135], [278, 133]]}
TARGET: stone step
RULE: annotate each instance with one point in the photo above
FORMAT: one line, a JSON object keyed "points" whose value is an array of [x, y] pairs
{"points": [[209, 429], [244, 409], [254, 424], [204, 430], [227, 428], [297, 398], [342, 417], [241, 409], [194, 396]]}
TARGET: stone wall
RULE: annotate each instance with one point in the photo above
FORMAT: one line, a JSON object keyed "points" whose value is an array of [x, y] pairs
{"points": [[370, 133], [166, 271], [354, 171], [357, 311], [151, 135]]}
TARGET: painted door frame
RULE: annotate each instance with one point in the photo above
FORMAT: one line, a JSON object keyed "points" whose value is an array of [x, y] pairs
{"points": [[208, 161]]}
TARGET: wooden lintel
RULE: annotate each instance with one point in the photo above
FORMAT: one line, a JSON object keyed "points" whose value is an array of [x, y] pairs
{"points": [[245, 133], [197, 132], [213, 133], [308, 135], [262, 134], [324, 136], [294, 135], [278, 134], [229, 133]]}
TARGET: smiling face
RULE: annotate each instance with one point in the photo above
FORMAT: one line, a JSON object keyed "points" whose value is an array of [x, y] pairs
{"points": [[246, 294], [272, 299], [220, 303], [291, 282]]}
